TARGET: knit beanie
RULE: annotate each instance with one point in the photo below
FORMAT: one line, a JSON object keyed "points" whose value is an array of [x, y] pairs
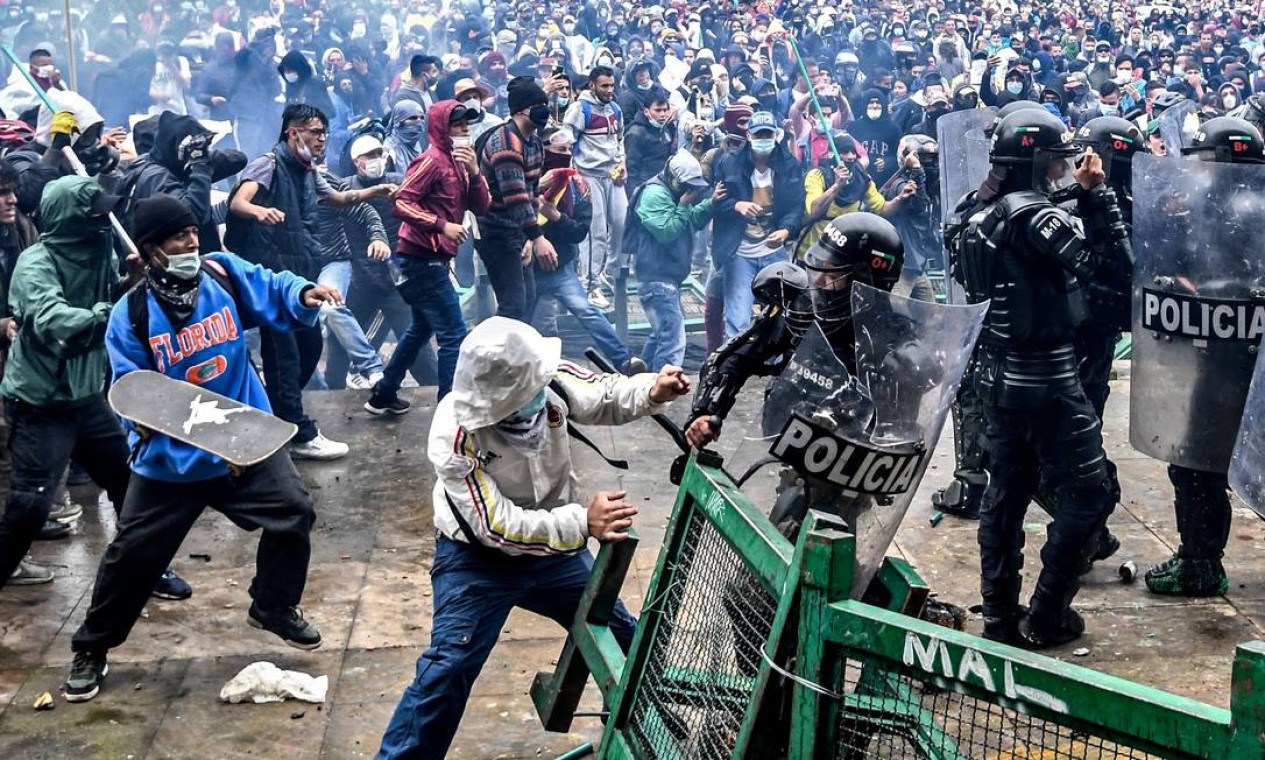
{"points": [[525, 93], [158, 217], [733, 114]]}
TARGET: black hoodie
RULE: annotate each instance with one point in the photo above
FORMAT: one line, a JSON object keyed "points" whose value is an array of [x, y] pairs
{"points": [[880, 137], [309, 89]]}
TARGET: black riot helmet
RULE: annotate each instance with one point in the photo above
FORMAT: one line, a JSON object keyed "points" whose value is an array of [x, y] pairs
{"points": [[1227, 139], [1164, 101], [1008, 109], [785, 285], [1034, 142], [860, 247], [1115, 140]]}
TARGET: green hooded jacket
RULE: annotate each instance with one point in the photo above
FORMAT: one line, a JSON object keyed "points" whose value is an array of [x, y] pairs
{"points": [[61, 293]]}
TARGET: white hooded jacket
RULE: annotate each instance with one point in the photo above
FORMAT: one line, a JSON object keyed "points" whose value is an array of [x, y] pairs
{"points": [[495, 493]]}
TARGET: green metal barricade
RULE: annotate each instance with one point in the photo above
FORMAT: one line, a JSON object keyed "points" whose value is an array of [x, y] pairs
{"points": [[733, 608]]}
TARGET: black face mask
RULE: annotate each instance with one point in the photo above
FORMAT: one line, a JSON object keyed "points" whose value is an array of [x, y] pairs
{"points": [[539, 116], [556, 160]]}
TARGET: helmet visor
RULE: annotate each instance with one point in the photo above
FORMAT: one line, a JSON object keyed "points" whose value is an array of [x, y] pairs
{"points": [[1053, 169]]}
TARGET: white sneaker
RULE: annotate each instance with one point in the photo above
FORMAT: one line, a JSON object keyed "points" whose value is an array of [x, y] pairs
{"points": [[374, 377], [359, 382], [29, 573], [320, 448]]}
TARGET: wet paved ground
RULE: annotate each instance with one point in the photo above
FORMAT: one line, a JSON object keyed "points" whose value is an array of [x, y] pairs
{"points": [[370, 594]]}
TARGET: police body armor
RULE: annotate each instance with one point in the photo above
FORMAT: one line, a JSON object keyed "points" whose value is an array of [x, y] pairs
{"points": [[1198, 306], [1020, 252]]}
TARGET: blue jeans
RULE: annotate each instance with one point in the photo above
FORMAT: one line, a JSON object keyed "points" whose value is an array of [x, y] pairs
{"points": [[739, 272], [666, 344], [436, 311], [475, 588], [563, 285], [342, 324]]}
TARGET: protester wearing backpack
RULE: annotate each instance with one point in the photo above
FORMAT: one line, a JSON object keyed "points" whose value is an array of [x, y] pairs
{"points": [[172, 482]]}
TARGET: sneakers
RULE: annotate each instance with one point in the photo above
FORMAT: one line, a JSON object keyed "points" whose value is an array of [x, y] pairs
{"points": [[86, 674], [1186, 576], [172, 586], [64, 510], [363, 382], [288, 624], [599, 299], [52, 531], [634, 366], [379, 405], [319, 448], [30, 574]]}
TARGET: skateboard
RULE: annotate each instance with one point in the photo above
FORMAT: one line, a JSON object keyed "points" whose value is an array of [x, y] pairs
{"points": [[235, 432]]}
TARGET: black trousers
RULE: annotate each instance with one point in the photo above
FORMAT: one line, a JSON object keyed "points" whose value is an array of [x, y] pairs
{"points": [[42, 441], [1059, 442], [156, 517], [290, 357], [501, 249]]}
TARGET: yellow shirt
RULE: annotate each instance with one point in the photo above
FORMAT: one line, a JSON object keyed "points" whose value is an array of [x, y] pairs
{"points": [[814, 187]]}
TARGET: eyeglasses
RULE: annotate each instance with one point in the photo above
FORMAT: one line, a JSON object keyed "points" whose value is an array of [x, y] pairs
{"points": [[320, 133]]}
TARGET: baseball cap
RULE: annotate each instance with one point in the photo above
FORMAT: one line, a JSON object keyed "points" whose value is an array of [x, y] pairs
{"points": [[686, 170], [364, 144], [762, 121]]}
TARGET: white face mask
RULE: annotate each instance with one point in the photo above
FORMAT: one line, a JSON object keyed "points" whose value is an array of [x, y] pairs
{"points": [[474, 104], [568, 28], [374, 168], [1108, 110], [874, 112], [46, 72], [1229, 101], [461, 141], [184, 266], [291, 77]]}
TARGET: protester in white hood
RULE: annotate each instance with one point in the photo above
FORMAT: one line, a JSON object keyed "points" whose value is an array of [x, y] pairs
{"points": [[513, 528]]}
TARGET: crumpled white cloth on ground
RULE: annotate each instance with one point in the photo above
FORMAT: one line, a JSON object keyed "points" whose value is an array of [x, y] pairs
{"points": [[262, 682]]}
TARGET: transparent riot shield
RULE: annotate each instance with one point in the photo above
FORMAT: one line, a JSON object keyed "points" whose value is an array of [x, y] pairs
{"points": [[1247, 465], [1198, 306], [1178, 125], [864, 440], [963, 154], [963, 166]]}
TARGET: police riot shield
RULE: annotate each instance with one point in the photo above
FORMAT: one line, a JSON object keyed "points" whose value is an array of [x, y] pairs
{"points": [[963, 154], [1247, 465], [963, 166], [1178, 125], [863, 440], [1198, 306]]}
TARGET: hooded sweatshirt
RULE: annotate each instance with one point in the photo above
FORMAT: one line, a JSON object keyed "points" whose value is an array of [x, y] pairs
{"points": [[599, 135], [162, 171], [62, 291], [437, 191], [309, 88], [489, 492], [405, 142], [880, 137]]}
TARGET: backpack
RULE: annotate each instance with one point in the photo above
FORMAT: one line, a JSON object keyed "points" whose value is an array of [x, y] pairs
{"points": [[138, 304], [587, 109]]}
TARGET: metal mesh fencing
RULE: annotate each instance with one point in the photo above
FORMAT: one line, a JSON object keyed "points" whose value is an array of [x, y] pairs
{"points": [[701, 670], [888, 715]]}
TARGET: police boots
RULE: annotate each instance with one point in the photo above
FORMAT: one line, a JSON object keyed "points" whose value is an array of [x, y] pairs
{"points": [[962, 497]]}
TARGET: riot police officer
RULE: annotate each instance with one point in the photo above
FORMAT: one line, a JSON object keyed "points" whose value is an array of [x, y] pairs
{"points": [[794, 298], [1109, 292], [1016, 247], [1214, 259]]}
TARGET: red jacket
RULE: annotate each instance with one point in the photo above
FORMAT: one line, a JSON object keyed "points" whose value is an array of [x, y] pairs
{"points": [[437, 190]]}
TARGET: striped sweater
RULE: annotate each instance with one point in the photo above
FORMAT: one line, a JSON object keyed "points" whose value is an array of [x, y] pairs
{"points": [[513, 165]]}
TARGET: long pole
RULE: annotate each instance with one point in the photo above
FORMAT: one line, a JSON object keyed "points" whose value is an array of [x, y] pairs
{"points": [[72, 53], [67, 152], [812, 93]]}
